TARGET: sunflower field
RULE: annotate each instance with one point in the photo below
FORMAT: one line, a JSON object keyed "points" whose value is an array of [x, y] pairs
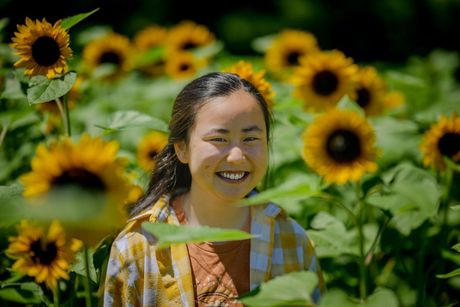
{"points": [[365, 156]]}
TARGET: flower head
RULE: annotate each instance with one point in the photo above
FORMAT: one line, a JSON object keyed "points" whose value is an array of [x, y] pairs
{"points": [[340, 146], [323, 78], [245, 71], [43, 48], [46, 257], [442, 140]]}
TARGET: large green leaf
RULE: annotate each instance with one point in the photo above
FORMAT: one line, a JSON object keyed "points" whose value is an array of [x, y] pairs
{"points": [[69, 22], [127, 119], [173, 234], [300, 186], [291, 289], [25, 293], [412, 196], [41, 89]]}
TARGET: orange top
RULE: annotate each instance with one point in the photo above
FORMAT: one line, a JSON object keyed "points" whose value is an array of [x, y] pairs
{"points": [[220, 269]]}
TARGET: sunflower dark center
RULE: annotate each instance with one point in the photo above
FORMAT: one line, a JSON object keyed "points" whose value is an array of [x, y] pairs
{"points": [[43, 253], [184, 67], [293, 58], [449, 144], [152, 154], [343, 146], [80, 178], [110, 57], [188, 45], [364, 97], [45, 51], [325, 82]]}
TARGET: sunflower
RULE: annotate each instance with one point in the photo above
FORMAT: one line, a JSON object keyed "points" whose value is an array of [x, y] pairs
{"points": [[46, 257], [183, 65], [114, 48], [151, 37], [43, 48], [91, 166], [245, 71], [323, 78], [394, 99], [188, 35], [340, 146], [149, 147], [287, 49], [442, 140], [370, 91]]}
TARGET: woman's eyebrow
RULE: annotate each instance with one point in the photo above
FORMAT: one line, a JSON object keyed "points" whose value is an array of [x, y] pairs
{"points": [[226, 131]]}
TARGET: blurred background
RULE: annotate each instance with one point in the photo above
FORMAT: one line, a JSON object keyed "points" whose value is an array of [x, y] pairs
{"points": [[367, 30]]}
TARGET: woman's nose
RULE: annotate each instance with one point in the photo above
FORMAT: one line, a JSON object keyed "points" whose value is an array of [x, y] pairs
{"points": [[235, 155]]}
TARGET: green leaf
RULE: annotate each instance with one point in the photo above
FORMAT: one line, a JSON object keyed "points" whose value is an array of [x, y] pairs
{"points": [[208, 50], [456, 247], [150, 56], [291, 289], [10, 204], [127, 119], [412, 196], [12, 89], [69, 22], [261, 44], [41, 89], [300, 186], [347, 104], [336, 297], [450, 274], [27, 293], [382, 297], [173, 234]]}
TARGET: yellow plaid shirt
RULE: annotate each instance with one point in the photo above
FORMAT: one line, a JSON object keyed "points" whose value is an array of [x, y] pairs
{"points": [[140, 275]]}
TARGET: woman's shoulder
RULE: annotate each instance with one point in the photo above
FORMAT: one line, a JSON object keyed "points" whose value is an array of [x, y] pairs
{"points": [[133, 231]]}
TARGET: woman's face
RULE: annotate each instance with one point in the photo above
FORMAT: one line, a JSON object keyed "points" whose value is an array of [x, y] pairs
{"points": [[227, 152]]}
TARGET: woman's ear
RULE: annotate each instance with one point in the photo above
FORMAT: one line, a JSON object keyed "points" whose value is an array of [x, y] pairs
{"points": [[181, 151]]}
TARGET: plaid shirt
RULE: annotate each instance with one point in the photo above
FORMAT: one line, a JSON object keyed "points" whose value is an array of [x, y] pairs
{"points": [[140, 275]]}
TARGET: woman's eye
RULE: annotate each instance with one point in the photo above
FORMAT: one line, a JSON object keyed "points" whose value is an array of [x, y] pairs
{"points": [[217, 140], [250, 139]]}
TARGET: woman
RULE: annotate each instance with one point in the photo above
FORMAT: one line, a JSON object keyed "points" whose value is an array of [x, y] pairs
{"points": [[216, 155]]}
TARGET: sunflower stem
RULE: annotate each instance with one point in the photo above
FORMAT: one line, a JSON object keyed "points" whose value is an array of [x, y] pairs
{"points": [[362, 254], [3, 132], [67, 115], [87, 279], [63, 116], [56, 296]]}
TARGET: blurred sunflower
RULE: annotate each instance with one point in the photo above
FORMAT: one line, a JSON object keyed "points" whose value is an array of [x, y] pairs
{"points": [[114, 48], [370, 91], [340, 146], [151, 37], [91, 166], [46, 257], [245, 71], [287, 49], [442, 140], [149, 147], [183, 65], [186, 36], [43, 48], [394, 99], [323, 78]]}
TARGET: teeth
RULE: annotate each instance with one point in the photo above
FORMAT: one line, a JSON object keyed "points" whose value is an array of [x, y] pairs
{"points": [[232, 176]]}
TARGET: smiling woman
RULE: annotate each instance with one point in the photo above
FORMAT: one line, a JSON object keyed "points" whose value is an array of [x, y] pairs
{"points": [[216, 155]]}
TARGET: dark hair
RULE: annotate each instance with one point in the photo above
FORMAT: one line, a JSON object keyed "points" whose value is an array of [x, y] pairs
{"points": [[170, 174]]}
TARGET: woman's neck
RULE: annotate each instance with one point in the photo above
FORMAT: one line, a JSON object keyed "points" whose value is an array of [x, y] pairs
{"points": [[210, 212]]}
